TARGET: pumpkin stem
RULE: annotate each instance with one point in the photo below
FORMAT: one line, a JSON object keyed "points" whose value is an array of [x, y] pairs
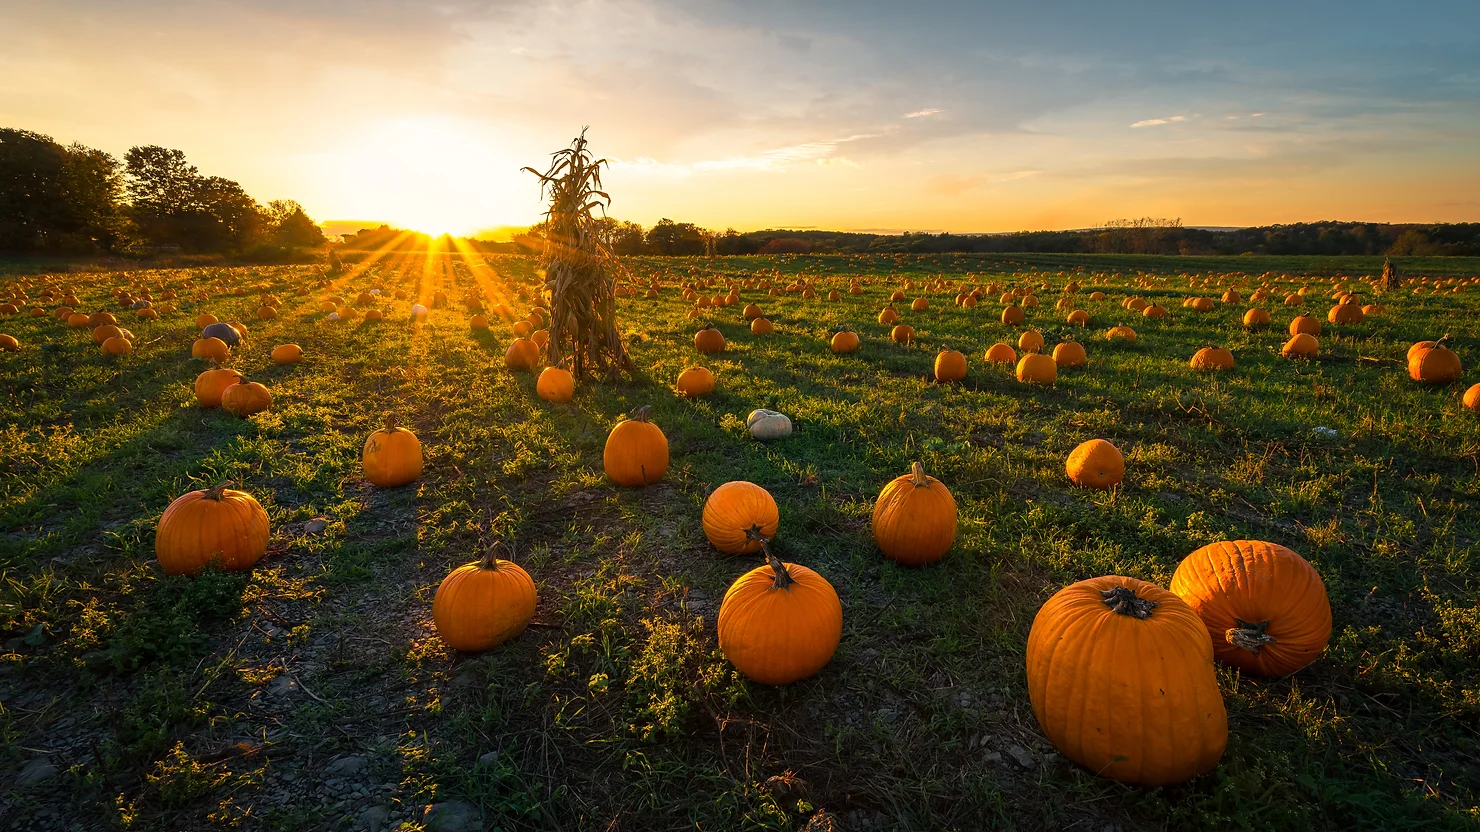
{"points": [[1123, 600], [1248, 636], [642, 414], [218, 492], [783, 578], [917, 474], [491, 556], [390, 423]]}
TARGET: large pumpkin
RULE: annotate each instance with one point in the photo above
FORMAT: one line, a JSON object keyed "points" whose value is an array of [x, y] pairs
{"points": [[636, 452], [522, 354], [902, 334], [709, 340], [695, 381], [1212, 358], [210, 349], [780, 623], [1120, 674], [950, 365], [482, 605], [555, 384], [914, 519], [1433, 363], [215, 525], [210, 384], [1265, 606], [740, 518], [392, 456], [1000, 353], [245, 398], [287, 354], [1070, 354], [1037, 368], [1095, 464], [843, 341]]}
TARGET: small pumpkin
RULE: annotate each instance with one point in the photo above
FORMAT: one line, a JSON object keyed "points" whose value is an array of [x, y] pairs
{"points": [[888, 316], [287, 354], [1264, 606], [914, 520], [117, 345], [762, 326], [1212, 359], [1472, 397], [1078, 317], [245, 398], [1000, 353], [1030, 341], [482, 605], [636, 452], [210, 384], [1154, 311], [695, 381], [919, 305], [950, 365], [214, 525], [1256, 318], [1070, 354], [902, 334], [1095, 464], [753, 312], [9, 343], [555, 384], [768, 424], [1120, 333], [391, 456], [740, 518], [709, 340], [780, 623], [1120, 675]]}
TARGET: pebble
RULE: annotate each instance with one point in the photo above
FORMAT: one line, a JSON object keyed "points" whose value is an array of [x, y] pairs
{"points": [[1022, 757], [452, 816], [372, 819], [315, 526], [36, 771], [347, 766], [489, 759]]}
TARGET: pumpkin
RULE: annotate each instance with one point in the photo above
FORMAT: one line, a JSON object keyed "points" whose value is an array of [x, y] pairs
{"points": [[1264, 606], [482, 605], [695, 381], [1305, 325], [740, 518], [844, 341], [1000, 353], [914, 520], [1232, 296], [768, 424], [780, 623], [1471, 400], [210, 384], [752, 312], [1212, 359], [1433, 363], [1255, 318], [1037, 368], [636, 452], [1070, 354], [522, 354], [98, 319], [1078, 317], [709, 340], [888, 315], [1303, 345], [117, 345], [287, 354], [245, 398], [1096, 295], [1030, 341], [950, 365], [761, 326], [1345, 313], [215, 525], [418, 312], [226, 332], [392, 456], [1095, 464], [1120, 675], [104, 332], [1154, 311], [9, 343], [1012, 315], [266, 313], [919, 305], [77, 320], [555, 384], [902, 334]]}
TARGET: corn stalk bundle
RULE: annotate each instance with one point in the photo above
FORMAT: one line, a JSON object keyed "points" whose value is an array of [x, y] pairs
{"points": [[579, 268]]}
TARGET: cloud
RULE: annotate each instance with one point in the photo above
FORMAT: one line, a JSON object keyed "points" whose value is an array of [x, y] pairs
{"points": [[1152, 122], [928, 111]]}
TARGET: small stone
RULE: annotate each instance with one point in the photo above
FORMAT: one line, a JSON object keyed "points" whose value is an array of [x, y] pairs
{"points": [[36, 771], [315, 526], [992, 757], [1022, 757], [372, 819], [346, 766], [289, 776], [452, 816], [282, 686], [490, 759]]}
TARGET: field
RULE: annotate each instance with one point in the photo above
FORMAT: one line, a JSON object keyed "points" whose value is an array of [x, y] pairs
{"points": [[312, 692]]}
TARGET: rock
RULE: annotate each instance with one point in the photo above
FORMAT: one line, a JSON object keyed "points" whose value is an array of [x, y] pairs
{"points": [[490, 759], [315, 526], [1022, 757], [282, 686], [992, 757], [36, 771], [346, 766], [453, 816]]}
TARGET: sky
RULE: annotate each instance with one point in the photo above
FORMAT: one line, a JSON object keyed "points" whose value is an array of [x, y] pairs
{"points": [[839, 114]]}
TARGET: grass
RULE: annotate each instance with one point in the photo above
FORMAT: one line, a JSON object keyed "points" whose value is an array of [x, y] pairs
{"points": [[172, 703]]}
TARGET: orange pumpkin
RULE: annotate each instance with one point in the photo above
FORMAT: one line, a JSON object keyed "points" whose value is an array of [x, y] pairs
{"points": [[844, 341], [391, 456], [1095, 464], [1037, 368], [1264, 606], [902, 334], [1121, 332], [1030, 341], [888, 315], [9, 343], [1433, 363], [914, 520], [1001, 354], [210, 349], [740, 518], [555, 384], [482, 605], [117, 345], [210, 384], [1345, 313], [1256, 318], [761, 326], [1305, 325], [1302, 345], [213, 526], [709, 340], [636, 452], [245, 398], [950, 365], [1070, 354], [780, 623], [1472, 397], [522, 354], [1212, 359], [695, 381], [287, 354], [1012, 315], [1120, 674]]}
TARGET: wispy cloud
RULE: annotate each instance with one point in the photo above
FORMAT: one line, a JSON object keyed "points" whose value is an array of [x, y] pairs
{"points": [[928, 111], [1152, 122], [822, 152]]}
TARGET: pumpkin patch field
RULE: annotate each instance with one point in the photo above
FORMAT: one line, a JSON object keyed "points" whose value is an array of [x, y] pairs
{"points": [[866, 542]]}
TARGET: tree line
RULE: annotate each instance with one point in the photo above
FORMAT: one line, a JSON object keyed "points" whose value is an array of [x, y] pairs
{"points": [[74, 199]]}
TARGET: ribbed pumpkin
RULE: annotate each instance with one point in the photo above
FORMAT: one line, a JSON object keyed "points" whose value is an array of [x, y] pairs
{"points": [[1070, 354], [780, 623], [709, 340], [1120, 674], [1255, 318], [636, 452], [210, 384], [695, 381], [1264, 606], [914, 519], [1345, 313], [482, 605], [762, 326], [392, 456], [950, 365], [1303, 345], [1472, 397], [522, 354], [844, 341], [245, 398], [1120, 332], [1212, 359], [1433, 363], [1037, 368], [740, 518], [202, 526], [555, 384], [1095, 464]]}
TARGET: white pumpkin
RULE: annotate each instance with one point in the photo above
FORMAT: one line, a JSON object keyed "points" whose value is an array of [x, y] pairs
{"points": [[768, 424], [418, 311], [333, 316]]}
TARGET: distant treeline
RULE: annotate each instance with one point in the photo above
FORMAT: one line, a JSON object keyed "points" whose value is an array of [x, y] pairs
{"points": [[73, 199], [1140, 236]]}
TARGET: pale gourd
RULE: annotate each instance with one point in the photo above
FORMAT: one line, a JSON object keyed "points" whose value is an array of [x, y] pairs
{"points": [[768, 424]]}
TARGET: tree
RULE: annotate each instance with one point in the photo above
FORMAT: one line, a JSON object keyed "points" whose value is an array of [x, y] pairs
{"points": [[675, 238], [733, 242], [292, 226], [173, 205], [54, 197]]}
